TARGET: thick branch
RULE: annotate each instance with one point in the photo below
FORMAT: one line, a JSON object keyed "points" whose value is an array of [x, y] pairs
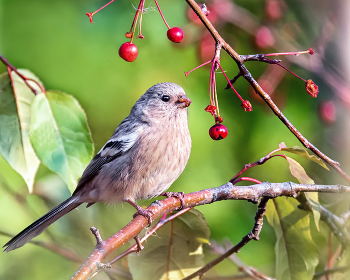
{"points": [[224, 192]]}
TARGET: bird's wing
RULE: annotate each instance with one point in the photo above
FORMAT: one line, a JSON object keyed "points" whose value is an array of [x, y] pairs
{"points": [[117, 145]]}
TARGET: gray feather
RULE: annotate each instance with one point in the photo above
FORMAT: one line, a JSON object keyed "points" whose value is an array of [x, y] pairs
{"points": [[41, 224]]}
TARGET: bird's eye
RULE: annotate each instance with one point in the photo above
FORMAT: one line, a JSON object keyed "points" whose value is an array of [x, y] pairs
{"points": [[165, 98]]}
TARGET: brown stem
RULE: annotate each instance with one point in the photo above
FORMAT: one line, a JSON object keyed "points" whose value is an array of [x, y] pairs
{"points": [[218, 39], [97, 235], [218, 249], [25, 79], [246, 74]]}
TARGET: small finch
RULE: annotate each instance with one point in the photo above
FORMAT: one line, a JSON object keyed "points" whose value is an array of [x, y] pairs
{"points": [[145, 155]]}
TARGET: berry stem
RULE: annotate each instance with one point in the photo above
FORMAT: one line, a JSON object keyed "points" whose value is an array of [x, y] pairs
{"points": [[167, 25], [134, 23], [309, 51], [247, 179], [205, 63], [90, 15], [217, 105], [211, 82], [140, 21], [228, 80], [285, 68], [102, 7]]}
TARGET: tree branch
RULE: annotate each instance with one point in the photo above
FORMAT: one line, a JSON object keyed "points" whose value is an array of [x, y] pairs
{"points": [[216, 248], [246, 74], [225, 192]]}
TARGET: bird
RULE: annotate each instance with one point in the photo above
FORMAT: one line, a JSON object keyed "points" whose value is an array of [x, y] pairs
{"points": [[147, 152]]}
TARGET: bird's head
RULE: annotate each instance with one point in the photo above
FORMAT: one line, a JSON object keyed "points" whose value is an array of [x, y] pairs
{"points": [[164, 100]]}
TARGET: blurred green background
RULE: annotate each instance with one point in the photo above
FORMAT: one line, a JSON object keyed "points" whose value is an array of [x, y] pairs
{"points": [[55, 40]]}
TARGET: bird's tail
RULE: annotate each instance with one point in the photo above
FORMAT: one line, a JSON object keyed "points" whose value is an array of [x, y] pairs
{"points": [[42, 223]]}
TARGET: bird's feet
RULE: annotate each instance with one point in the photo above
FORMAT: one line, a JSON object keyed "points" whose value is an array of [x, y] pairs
{"points": [[179, 195], [146, 213], [140, 211]]}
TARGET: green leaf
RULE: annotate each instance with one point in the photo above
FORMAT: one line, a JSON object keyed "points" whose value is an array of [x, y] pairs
{"points": [[299, 172], [15, 118], [312, 197], [60, 135], [296, 253], [300, 151], [175, 251]]}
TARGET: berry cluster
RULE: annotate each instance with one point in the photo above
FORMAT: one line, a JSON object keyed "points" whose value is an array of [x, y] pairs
{"points": [[219, 131], [128, 51]]}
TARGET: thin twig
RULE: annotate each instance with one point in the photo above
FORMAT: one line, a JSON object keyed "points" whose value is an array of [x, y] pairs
{"points": [[243, 71], [216, 248], [135, 247], [253, 234], [341, 269], [25, 79], [161, 223]]}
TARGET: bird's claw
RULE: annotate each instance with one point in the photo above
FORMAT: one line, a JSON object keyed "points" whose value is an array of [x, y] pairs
{"points": [[146, 213], [179, 195]]}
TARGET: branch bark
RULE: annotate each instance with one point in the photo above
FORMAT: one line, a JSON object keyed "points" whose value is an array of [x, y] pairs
{"points": [[225, 192]]}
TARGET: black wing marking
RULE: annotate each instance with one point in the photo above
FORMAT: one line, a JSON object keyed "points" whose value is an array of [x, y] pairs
{"points": [[114, 148], [95, 166]]}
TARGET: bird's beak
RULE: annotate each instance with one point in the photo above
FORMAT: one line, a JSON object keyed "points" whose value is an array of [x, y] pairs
{"points": [[183, 101]]}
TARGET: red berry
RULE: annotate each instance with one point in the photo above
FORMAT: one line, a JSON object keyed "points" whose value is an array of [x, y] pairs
{"points": [[206, 47], [327, 112], [218, 132], [264, 38], [128, 51], [175, 35], [274, 9]]}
